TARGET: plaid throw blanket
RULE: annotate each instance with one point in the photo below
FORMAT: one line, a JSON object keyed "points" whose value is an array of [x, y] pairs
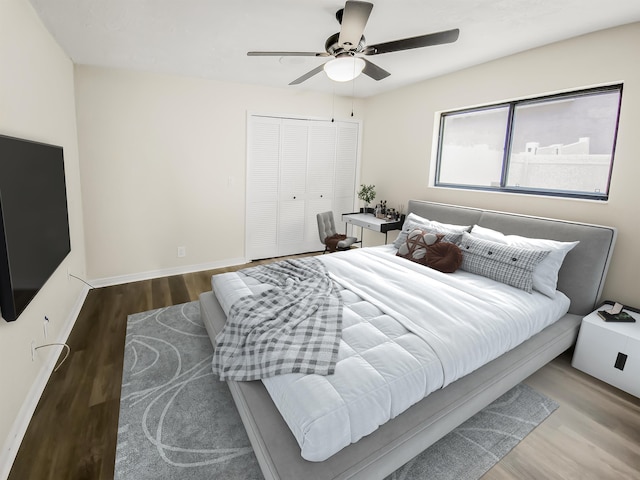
{"points": [[294, 327]]}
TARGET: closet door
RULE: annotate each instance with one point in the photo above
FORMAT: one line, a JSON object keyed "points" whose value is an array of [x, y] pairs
{"points": [[295, 170], [320, 176], [293, 186], [263, 174]]}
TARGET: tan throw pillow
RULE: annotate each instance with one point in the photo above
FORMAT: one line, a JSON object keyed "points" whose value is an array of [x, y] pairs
{"points": [[416, 245]]}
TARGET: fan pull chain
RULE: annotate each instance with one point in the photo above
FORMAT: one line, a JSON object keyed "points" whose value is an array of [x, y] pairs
{"points": [[353, 89], [333, 105]]}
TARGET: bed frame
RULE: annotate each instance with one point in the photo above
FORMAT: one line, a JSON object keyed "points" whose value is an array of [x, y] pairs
{"points": [[402, 438]]}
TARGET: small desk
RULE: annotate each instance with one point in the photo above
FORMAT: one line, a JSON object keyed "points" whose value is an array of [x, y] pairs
{"points": [[370, 222]]}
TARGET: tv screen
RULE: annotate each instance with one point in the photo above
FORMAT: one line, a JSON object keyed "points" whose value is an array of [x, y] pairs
{"points": [[34, 220]]}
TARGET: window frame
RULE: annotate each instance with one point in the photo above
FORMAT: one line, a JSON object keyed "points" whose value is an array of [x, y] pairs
{"points": [[511, 105]]}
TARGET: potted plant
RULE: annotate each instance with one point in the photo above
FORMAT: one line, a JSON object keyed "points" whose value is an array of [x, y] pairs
{"points": [[367, 193]]}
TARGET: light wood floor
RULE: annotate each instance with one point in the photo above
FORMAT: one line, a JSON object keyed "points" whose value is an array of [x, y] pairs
{"points": [[595, 434]]}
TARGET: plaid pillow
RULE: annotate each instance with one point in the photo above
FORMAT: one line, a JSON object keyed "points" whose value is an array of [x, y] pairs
{"points": [[503, 263]]}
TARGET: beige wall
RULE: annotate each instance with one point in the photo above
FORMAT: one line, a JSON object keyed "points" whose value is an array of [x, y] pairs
{"points": [[163, 165], [398, 136], [37, 103]]}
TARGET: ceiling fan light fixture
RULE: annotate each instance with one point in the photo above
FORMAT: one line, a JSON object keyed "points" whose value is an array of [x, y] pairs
{"points": [[344, 69]]}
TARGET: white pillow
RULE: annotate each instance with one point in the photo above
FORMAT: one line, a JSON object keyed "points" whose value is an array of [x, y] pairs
{"points": [[545, 274], [414, 221]]}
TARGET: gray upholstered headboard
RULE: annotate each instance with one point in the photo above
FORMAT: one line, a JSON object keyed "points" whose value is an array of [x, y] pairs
{"points": [[583, 272]]}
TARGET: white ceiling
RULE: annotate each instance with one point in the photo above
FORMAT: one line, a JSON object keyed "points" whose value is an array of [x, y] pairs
{"points": [[210, 38]]}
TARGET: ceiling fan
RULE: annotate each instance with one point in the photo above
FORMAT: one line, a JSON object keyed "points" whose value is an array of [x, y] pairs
{"points": [[349, 43]]}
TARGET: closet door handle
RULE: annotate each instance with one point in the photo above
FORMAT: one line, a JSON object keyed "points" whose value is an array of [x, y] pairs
{"points": [[294, 198], [321, 196]]}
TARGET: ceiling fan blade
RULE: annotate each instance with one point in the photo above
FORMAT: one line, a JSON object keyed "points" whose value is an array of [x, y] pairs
{"points": [[308, 75], [447, 36], [354, 18], [287, 54], [374, 71]]}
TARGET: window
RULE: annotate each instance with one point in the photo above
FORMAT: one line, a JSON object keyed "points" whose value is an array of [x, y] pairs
{"points": [[560, 145]]}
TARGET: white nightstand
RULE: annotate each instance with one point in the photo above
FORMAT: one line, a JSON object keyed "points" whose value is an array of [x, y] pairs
{"points": [[610, 351]]}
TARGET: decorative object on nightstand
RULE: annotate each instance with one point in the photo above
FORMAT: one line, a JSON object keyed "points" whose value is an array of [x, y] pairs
{"points": [[610, 350], [367, 193], [615, 314]]}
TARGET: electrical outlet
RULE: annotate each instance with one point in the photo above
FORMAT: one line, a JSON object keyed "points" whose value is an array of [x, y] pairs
{"points": [[33, 350], [182, 252], [46, 327]]}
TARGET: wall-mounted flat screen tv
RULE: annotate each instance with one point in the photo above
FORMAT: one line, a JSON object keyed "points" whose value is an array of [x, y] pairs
{"points": [[34, 220]]}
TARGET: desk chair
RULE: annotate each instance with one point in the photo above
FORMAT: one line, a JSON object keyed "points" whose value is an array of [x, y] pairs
{"points": [[332, 240]]}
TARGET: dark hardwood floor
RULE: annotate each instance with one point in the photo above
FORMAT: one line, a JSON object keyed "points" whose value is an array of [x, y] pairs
{"points": [[594, 434]]}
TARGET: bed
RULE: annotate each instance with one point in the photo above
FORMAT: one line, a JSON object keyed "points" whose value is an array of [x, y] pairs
{"points": [[381, 451]]}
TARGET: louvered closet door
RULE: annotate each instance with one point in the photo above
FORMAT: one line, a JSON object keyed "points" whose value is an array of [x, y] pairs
{"points": [[293, 185], [263, 160], [320, 175], [296, 169]]}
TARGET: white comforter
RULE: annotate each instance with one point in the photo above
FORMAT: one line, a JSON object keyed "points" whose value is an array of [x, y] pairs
{"points": [[407, 331]]}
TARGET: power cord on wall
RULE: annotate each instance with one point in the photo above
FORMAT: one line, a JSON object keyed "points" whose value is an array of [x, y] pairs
{"points": [[67, 348], [86, 283], [59, 344]]}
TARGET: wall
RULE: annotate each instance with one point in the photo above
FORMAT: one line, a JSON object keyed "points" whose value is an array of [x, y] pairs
{"points": [[37, 103], [399, 136], [163, 165]]}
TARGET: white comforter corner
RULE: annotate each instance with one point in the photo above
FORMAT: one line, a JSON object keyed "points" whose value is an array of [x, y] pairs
{"points": [[407, 331]]}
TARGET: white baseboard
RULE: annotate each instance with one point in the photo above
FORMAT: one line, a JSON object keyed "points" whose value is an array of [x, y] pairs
{"points": [[136, 277], [21, 423]]}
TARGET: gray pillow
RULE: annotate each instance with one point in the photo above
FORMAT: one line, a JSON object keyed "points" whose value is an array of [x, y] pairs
{"points": [[503, 263]]}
